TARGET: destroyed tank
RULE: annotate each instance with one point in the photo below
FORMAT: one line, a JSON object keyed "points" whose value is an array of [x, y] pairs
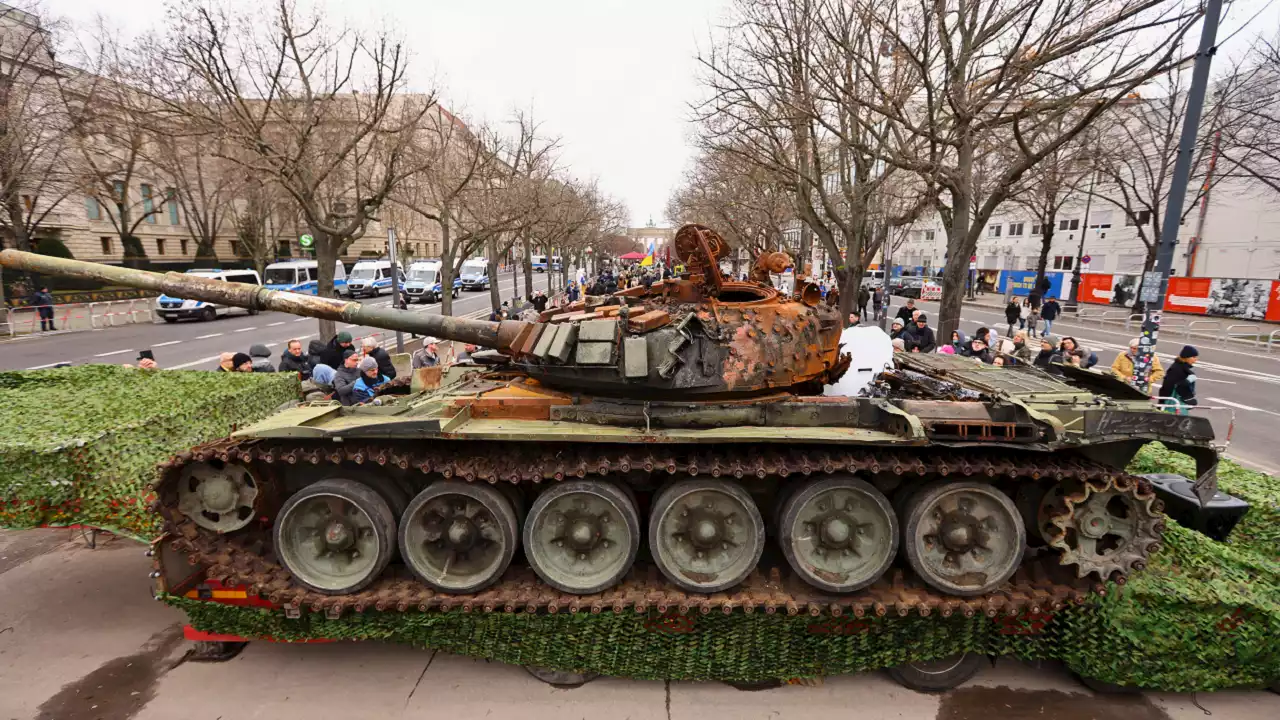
{"points": [[669, 446]]}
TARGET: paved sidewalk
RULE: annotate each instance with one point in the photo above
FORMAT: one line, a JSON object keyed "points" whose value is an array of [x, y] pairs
{"points": [[80, 637]]}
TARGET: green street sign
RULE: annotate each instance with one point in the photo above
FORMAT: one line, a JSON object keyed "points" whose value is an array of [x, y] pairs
{"points": [[306, 241]]}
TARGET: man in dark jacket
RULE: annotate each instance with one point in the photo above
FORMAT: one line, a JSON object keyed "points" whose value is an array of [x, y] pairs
{"points": [[345, 377], [1178, 391], [919, 337], [1048, 347], [43, 301], [539, 301], [385, 367], [336, 350], [294, 360], [261, 358], [1049, 311], [864, 297], [905, 311], [1012, 312]]}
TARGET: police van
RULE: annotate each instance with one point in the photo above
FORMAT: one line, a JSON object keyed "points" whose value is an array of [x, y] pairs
{"points": [[475, 274], [423, 283], [301, 276], [175, 309], [371, 278], [540, 263]]}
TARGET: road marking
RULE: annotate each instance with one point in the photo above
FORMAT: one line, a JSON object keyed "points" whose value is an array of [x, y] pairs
{"points": [[193, 363], [271, 344], [114, 352], [1224, 382], [245, 329], [274, 324], [206, 337], [1241, 406], [42, 367], [302, 319], [163, 344]]}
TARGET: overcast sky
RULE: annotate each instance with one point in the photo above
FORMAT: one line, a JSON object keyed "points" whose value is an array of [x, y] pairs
{"points": [[613, 78]]}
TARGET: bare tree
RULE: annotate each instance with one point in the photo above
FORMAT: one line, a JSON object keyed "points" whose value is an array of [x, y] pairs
{"points": [[948, 82], [111, 125], [37, 166], [203, 185], [323, 112], [1047, 187]]}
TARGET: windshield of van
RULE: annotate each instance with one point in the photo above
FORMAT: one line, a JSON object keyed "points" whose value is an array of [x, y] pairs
{"points": [[280, 276], [364, 273], [426, 275], [473, 268]]}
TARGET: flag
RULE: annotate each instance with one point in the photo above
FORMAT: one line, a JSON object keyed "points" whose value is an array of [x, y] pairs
{"points": [[647, 261]]}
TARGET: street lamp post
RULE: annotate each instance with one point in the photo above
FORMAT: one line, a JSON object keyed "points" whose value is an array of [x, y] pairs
{"points": [[1073, 302]]}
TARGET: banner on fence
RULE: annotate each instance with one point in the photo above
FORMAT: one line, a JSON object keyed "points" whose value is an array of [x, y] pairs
{"points": [[1022, 281], [1222, 297]]}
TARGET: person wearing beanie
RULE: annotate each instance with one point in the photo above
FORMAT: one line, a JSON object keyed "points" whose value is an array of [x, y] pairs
{"points": [[895, 330], [1178, 391], [370, 380], [919, 337], [373, 350], [1048, 346], [332, 353], [241, 362], [261, 358], [346, 375]]}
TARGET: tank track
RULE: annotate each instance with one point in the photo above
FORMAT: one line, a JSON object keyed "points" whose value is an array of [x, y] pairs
{"points": [[1040, 584]]}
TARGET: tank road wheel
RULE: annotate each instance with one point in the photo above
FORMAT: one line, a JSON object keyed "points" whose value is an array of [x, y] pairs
{"points": [[581, 537], [335, 536], [218, 496], [839, 534], [963, 538], [459, 537], [1107, 533], [937, 675], [705, 535]]}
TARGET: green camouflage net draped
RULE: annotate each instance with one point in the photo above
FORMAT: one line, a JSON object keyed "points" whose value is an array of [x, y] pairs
{"points": [[1203, 616], [81, 444]]}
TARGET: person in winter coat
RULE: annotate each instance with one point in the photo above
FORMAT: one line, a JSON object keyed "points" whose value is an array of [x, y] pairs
{"points": [[1012, 312], [1048, 347], [372, 350], [539, 301], [864, 297], [919, 337], [43, 301], [261, 358], [896, 329], [315, 349], [336, 349], [1022, 352], [370, 380], [905, 311], [959, 341], [241, 363], [1050, 311], [877, 302], [224, 362], [427, 356], [294, 360], [1024, 312], [345, 377], [1125, 362], [978, 349], [1178, 391]]}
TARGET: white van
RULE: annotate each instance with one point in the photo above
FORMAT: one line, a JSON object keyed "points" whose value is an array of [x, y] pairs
{"points": [[174, 309], [873, 279], [475, 274], [423, 283], [370, 277], [301, 276]]}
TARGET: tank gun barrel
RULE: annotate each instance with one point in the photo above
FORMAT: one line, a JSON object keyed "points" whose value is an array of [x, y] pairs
{"points": [[497, 335]]}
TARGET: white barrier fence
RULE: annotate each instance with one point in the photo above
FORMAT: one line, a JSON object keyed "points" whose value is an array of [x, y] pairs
{"points": [[79, 316]]}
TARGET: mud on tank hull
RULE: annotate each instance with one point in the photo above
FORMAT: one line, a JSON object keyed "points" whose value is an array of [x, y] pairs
{"points": [[495, 493]]}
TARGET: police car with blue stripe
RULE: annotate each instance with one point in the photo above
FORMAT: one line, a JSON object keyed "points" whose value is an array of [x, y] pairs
{"points": [[174, 309], [371, 278], [301, 276]]}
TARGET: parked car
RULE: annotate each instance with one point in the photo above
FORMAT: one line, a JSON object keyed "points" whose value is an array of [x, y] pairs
{"points": [[908, 286], [174, 309]]}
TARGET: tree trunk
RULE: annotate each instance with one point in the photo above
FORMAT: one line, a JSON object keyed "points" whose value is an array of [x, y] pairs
{"points": [[491, 250], [526, 259], [327, 249], [849, 280], [447, 271], [1046, 241], [959, 246]]}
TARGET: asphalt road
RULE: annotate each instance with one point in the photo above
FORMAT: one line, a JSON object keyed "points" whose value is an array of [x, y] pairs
{"points": [[80, 637], [1241, 382], [194, 344]]}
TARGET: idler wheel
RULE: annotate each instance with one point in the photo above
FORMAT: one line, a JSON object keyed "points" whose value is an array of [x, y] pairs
{"points": [[963, 538], [705, 535], [218, 496], [582, 536], [839, 533], [459, 537], [336, 536]]}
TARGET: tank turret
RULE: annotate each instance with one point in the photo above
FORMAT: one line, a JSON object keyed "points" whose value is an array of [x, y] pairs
{"points": [[699, 333]]}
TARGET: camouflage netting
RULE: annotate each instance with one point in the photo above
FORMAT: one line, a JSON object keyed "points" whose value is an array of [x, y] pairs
{"points": [[80, 444], [1203, 616]]}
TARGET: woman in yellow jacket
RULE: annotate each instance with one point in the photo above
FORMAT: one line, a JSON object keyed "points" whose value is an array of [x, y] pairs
{"points": [[1123, 365]]}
